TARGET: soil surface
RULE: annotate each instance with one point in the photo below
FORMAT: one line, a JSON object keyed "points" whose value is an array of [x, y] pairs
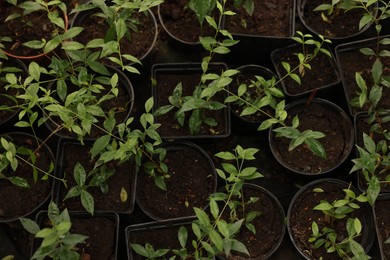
{"points": [[343, 24], [20, 30], [16, 201], [337, 142], [124, 177], [269, 226], [181, 22], [273, 18], [382, 215], [166, 83], [323, 72], [192, 181], [352, 61], [302, 215], [137, 43]]}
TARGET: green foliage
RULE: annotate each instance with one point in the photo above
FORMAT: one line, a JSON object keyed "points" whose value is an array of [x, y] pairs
{"points": [[57, 241], [335, 8]]}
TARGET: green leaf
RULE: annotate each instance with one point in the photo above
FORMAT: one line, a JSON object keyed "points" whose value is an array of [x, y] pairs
{"points": [[79, 174], [100, 144], [87, 201], [202, 217], [140, 250], [239, 247], [369, 144], [316, 147], [149, 104], [19, 181], [30, 225], [214, 209], [120, 28], [323, 206], [72, 46], [182, 236], [217, 240]]}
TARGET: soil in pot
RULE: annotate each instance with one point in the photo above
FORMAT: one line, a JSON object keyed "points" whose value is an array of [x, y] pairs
{"points": [[317, 115], [181, 23], [121, 182], [323, 73], [270, 225], [139, 44], [101, 229], [382, 222], [351, 60], [274, 18], [167, 77], [301, 215], [20, 31], [192, 180], [15, 201], [343, 25]]}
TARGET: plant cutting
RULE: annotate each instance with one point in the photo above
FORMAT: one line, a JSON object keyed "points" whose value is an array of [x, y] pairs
{"points": [[125, 27], [329, 219], [217, 228], [57, 241], [22, 37]]}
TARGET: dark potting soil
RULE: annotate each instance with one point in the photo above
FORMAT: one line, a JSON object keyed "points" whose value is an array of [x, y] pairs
{"points": [[352, 61], [191, 183], [317, 117], [382, 215], [302, 215], [343, 24], [137, 43], [268, 226], [124, 178], [323, 71], [24, 29], [16, 201], [181, 22], [270, 18], [166, 83]]}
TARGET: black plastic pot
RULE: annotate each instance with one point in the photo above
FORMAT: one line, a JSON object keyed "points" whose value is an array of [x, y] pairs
{"points": [[330, 118], [40, 191], [102, 229], [162, 234], [189, 74], [266, 234], [193, 179], [248, 124], [298, 206], [306, 10], [322, 82], [80, 17], [124, 85], [382, 224], [8, 118], [71, 151], [351, 60]]}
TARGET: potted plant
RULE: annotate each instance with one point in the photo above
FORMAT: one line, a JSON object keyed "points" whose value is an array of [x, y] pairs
{"points": [[317, 119], [23, 38], [329, 219]]}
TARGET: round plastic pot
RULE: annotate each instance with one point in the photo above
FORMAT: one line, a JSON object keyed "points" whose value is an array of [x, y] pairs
{"points": [[301, 5], [124, 179], [174, 73], [298, 205], [193, 179], [44, 158], [247, 124], [325, 114]]}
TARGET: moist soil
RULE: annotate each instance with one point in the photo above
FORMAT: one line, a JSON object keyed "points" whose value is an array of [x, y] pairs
{"points": [[352, 61], [343, 24], [317, 117], [20, 31], [323, 72], [269, 226], [124, 178], [302, 215], [137, 43], [362, 126], [192, 180], [121, 103], [382, 215], [16, 201], [271, 18], [101, 231], [166, 83], [181, 22]]}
